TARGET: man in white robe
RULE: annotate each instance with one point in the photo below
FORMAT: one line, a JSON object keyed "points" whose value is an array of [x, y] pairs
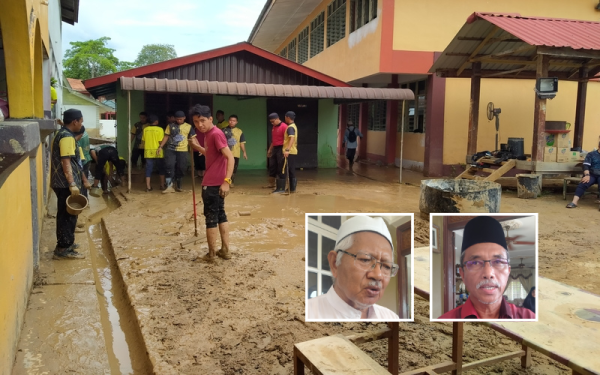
{"points": [[362, 264]]}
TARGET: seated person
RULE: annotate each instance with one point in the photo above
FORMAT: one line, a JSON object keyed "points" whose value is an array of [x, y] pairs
{"points": [[591, 175], [485, 270], [362, 264], [102, 155]]}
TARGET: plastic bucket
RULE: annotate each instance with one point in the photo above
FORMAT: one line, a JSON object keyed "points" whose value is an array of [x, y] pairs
{"points": [[529, 186], [76, 204]]}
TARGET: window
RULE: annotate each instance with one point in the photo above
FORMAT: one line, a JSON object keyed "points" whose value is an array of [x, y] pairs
{"points": [[354, 113], [361, 13], [416, 110], [283, 52], [303, 46], [317, 34], [377, 112], [515, 291], [336, 21], [322, 232], [292, 50]]}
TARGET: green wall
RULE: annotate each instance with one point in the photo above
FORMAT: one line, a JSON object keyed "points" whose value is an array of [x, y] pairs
{"points": [[252, 116], [137, 106], [327, 141]]}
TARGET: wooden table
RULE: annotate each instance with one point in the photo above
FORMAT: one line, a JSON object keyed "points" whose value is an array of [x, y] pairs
{"points": [[562, 331]]}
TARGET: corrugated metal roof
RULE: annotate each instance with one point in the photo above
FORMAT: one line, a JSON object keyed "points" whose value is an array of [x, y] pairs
{"points": [[551, 32], [514, 43], [263, 90]]}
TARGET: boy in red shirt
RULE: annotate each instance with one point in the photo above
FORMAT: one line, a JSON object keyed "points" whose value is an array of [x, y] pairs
{"points": [[217, 178]]}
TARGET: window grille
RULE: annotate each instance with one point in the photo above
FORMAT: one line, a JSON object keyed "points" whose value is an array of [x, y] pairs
{"points": [[336, 21], [377, 112], [303, 46], [283, 52], [292, 50], [415, 112], [317, 34], [354, 113], [361, 13]]}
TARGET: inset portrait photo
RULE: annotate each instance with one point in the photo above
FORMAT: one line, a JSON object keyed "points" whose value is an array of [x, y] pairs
{"points": [[483, 267], [359, 267]]}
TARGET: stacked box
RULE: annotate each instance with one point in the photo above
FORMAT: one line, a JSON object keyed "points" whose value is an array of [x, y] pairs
{"points": [[563, 155], [563, 140], [550, 154]]}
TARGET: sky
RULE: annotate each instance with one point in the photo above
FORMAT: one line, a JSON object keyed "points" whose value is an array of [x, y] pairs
{"points": [[192, 26]]}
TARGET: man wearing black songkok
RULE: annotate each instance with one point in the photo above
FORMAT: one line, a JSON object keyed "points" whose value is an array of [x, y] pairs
{"points": [[485, 270]]}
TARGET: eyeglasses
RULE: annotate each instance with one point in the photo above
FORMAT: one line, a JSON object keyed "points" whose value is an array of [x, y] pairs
{"points": [[367, 262], [476, 265]]}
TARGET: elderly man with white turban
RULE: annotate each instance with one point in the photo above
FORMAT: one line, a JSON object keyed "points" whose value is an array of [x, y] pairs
{"points": [[362, 265]]}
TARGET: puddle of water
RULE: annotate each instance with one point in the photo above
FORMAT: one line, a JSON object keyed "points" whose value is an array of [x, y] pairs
{"points": [[125, 347]]}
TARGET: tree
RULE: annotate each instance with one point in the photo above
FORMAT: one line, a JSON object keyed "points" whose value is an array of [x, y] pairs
{"points": [[125, 65], [153, 53], [89, 59]]}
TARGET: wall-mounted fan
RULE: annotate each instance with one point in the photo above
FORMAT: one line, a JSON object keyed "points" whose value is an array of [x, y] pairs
{"points": [[491, 113]]}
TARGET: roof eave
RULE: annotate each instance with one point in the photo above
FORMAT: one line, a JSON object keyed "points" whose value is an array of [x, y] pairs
{"points": [[261, 18]]}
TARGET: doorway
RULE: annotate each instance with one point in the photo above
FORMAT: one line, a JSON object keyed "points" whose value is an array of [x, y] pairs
{"points": [[307, 119]]}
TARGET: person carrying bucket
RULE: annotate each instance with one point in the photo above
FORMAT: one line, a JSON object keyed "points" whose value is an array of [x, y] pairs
{"points": [[67, 179]]}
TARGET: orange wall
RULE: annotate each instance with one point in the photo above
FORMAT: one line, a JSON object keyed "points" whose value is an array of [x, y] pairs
{"points": [[355, 56], [414, 147], [516, 99], [376, 142], [429, 25]]}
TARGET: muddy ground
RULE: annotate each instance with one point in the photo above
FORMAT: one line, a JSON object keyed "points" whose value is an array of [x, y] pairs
{"points": [[243, 316]]}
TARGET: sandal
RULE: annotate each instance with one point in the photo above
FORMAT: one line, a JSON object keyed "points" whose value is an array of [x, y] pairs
{"points": [[224, 254], [208, 258], [148, 189], [571, 205]]}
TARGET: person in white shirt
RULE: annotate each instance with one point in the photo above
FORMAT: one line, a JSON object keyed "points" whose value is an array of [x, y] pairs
{"points": [[362, 264]]}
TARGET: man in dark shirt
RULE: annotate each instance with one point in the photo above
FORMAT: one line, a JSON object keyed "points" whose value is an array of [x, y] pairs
{"points": [[136, 136], [591, 175], [485, 270], [67, 179]]}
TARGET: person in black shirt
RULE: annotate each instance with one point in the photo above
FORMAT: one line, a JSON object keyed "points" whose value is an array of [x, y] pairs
{"points": [[591, 175]]}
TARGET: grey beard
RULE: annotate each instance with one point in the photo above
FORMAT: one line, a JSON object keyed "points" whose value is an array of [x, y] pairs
{"points": [[490, 303]]}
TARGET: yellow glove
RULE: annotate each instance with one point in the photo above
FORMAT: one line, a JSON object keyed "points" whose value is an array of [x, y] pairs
{"points": [[74, 189]]}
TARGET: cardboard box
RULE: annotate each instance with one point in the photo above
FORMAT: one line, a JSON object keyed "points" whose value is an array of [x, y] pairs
{"points": [[550, 154], [576, 157], [562, 140], [563, 155]]}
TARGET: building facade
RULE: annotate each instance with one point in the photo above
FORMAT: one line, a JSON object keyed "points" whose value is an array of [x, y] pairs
{"points": [[30, 54], [393, 43]]}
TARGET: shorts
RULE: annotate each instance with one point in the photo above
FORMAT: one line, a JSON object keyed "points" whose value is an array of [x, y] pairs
{"points": [[350, 153], [160, 165], [214, 206]]}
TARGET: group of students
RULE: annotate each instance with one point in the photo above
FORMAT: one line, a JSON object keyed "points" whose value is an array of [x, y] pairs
{"points": [[166, 148]]}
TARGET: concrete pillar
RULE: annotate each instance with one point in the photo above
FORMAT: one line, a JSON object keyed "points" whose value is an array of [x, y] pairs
{"points": [[343, 121], [391, 131], [363, 126]]}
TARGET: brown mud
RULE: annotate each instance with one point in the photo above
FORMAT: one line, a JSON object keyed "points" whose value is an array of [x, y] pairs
{"points": [[243, 316]]}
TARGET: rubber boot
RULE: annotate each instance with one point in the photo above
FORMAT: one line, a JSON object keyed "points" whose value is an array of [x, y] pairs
{"points": [[350, 164], [280, 189], [293, 183], [178, 185]]}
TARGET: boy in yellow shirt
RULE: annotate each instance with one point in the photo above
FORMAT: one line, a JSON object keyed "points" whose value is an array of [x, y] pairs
{"points": [[151, 138], [239, 143]]}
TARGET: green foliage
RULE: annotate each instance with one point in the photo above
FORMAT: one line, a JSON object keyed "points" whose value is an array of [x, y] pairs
{"points": [[125, 65], [153, 53], [89, 59]]}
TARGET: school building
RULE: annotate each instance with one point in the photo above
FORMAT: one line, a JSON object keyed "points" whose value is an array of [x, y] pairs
{"points": [[394, 43], [249, 82], [30, 54]]}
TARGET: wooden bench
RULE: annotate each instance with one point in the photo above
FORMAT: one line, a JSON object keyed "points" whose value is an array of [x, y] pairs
{"points": [[339, 354], [577, 180]]}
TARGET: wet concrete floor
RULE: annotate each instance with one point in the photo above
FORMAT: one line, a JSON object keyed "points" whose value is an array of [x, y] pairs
{"points": [[78, 319]]}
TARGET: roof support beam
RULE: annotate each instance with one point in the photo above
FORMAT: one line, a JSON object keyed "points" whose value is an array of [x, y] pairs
{"points": [[580, 106], [474, 108], [478, 48], [539, 116], [512, 51], [569, 53]]}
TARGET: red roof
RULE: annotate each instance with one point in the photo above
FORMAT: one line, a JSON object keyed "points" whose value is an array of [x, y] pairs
{"points": [[77, 85], [541, 31], [191, 59]]}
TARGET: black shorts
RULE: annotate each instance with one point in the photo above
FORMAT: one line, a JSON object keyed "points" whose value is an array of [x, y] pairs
{"points": [[350, 153], [214, 206]]}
